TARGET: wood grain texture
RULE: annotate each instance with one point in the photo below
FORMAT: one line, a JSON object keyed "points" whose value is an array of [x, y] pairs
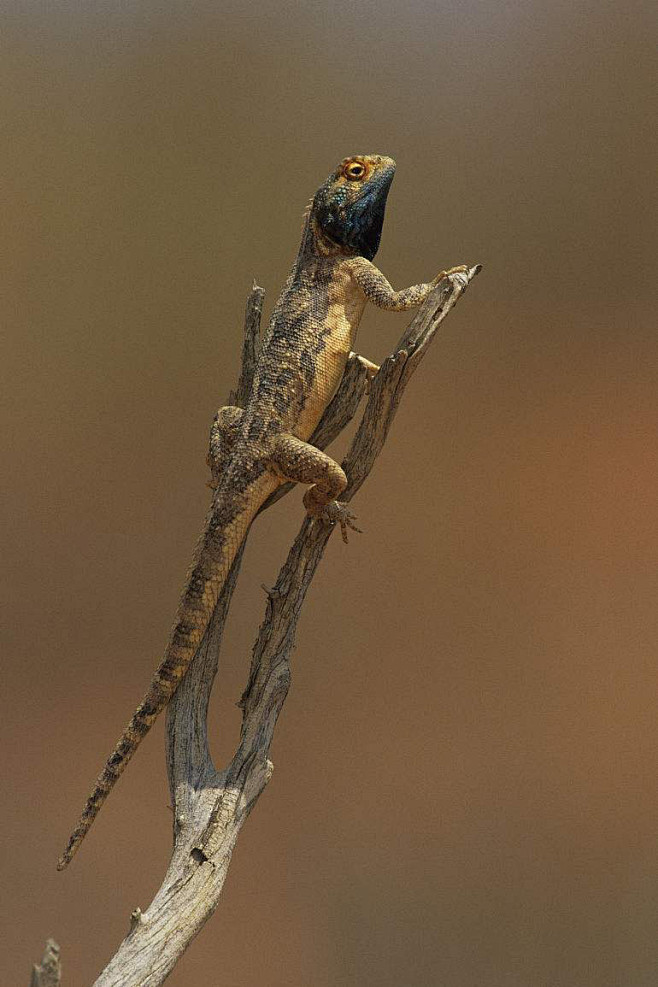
{"points": [[210, 807], [49, 972]]}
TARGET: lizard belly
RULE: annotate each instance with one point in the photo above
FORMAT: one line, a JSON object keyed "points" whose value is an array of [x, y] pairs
{"points": [[329, 366], [336, 338]]}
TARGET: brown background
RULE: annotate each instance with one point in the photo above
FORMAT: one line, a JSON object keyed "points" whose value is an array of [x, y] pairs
{"points": [[465, 787]]}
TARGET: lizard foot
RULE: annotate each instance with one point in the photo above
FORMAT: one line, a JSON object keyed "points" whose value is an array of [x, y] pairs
{"points": [[332, 513], [460, 269], [372, 369]]}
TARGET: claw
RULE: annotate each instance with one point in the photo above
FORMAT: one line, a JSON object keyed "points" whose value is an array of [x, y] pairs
{"points": [[336, 512], [459, 269]]}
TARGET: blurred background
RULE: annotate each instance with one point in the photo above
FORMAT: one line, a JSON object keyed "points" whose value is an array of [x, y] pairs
{"points": [[465, 782]]}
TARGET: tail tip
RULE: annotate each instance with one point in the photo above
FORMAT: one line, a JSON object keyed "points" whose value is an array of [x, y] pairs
{"points": [[65, 858]]}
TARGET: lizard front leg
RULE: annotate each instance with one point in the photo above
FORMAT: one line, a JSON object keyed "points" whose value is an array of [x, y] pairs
{"points": [[300, 462], [380, 292], [223, 433]]}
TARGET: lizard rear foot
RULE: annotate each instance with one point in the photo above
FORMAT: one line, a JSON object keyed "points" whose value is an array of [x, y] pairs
{"points": [[372, 369], [332, 513]]}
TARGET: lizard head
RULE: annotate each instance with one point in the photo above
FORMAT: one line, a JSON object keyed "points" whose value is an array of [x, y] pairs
{"points": [[348, 209]]}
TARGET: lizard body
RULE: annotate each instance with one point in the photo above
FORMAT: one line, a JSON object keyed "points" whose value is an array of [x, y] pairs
{"points": [[253, 451]]}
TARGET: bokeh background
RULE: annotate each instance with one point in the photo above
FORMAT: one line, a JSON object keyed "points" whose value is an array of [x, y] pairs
{"points": [[465, 787]]}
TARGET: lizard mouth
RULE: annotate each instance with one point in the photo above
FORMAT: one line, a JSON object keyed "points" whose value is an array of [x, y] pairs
{"points": [[365, 217]]}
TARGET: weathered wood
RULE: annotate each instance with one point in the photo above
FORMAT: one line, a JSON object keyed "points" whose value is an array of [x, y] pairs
{"points": [[250, 346], [210, 806], [49, 972]]}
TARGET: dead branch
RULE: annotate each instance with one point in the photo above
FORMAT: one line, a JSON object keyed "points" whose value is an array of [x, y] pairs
{"points": [[210, 806], [49, 972]]}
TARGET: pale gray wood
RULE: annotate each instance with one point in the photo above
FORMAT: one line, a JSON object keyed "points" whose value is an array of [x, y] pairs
{"points": [[49, 972], [250, 346], [210, 806]]}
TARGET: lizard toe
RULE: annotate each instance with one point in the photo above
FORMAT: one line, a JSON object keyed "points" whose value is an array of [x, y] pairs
{"points": [[459, 269], [336, 512]]}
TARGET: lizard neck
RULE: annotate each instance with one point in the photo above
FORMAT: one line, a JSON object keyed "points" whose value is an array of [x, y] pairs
{"points": [[316, 245]]}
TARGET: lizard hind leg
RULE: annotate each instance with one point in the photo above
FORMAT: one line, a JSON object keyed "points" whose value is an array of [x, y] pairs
{"points": [[223, 433], [300, 462]]}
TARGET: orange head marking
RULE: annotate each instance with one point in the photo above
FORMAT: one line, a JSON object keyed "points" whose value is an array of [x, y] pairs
{"points": [[354, 169]]}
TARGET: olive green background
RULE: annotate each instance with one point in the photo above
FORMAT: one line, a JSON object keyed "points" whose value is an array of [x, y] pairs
{"points": [[465, 787]]}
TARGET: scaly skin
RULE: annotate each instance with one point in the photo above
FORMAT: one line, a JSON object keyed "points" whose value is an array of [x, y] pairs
{"points": [[310, 336]]}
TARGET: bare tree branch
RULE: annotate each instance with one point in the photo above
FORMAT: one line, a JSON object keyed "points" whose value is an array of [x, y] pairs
{"points": [[210, 806], [49, 971], [250, 346]]}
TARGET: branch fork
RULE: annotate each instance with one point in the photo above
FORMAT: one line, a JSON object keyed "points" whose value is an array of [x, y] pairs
{"points": [[210, 806]]}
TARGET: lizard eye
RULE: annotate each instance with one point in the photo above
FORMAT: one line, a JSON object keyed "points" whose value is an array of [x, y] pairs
{"points": [[354, 170]]}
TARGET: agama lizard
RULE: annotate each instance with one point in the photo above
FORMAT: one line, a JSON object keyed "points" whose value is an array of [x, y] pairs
{"points": [[253, 451]]}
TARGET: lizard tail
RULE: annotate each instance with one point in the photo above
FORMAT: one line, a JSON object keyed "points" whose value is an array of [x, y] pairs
{"points": [[217, 548], [140, 723]]}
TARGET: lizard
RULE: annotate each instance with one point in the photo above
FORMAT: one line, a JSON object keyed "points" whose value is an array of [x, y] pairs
{"points": [[254, 450]]}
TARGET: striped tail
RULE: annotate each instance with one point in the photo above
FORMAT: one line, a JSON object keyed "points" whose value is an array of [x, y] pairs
{"points": [[225, 529]]}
